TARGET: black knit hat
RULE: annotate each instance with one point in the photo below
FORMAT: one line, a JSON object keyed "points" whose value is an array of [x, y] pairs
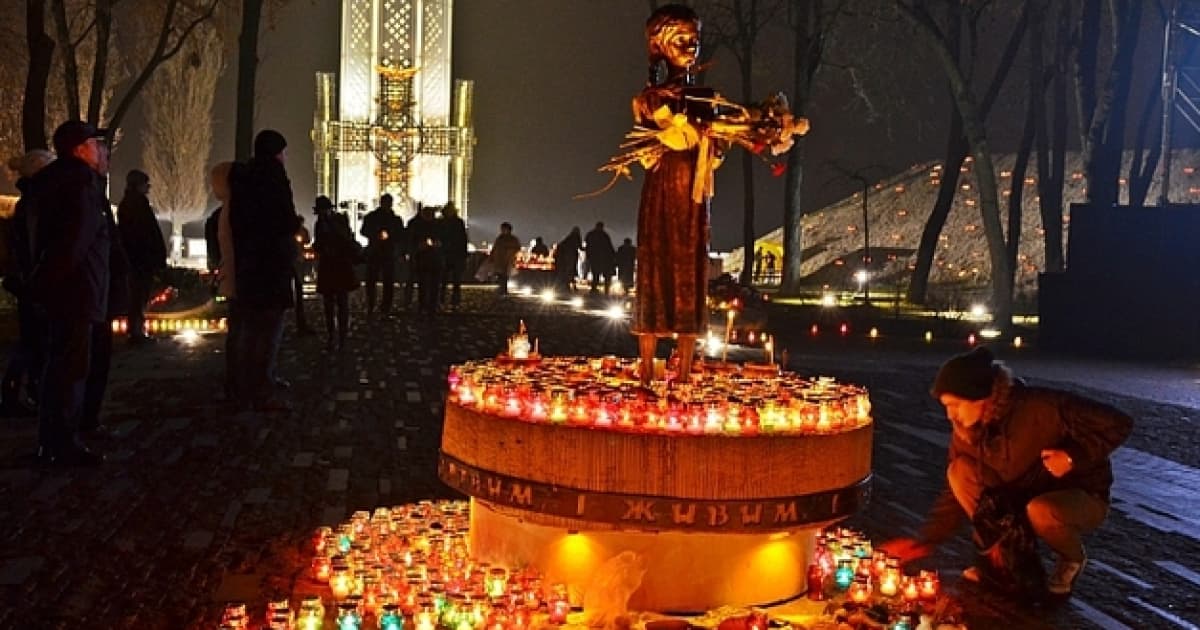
{"points": [[968, 376], [269, 143]]}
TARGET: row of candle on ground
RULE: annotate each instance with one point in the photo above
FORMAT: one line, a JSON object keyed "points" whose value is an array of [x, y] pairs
{"points": [[352, 615], [823, 408], [971, 339], [845, 561], [416, 557], [121, 325]]}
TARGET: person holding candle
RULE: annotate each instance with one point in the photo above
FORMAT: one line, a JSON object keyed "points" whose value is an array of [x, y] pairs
{"points": [[1046, 449]]}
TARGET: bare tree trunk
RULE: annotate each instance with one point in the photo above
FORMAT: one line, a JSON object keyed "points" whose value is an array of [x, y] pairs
{"points": [[1102, 162], [985, 173], [956, 153], [70, 64], [1016, 190], [41, 54], [100, 67], [247, 77], [164, 50], [808, 33], [1087, 37], [1051, 150]]}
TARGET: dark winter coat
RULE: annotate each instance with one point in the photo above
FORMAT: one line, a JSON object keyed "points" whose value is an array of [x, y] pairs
{"points": [[600, 252], [625, 260], [566, 255], [140, 234], [71, 241], [424, 238], [212, 239], [264, 222], [453, 234], [378, 221], [1008, 450], [337, 252]]}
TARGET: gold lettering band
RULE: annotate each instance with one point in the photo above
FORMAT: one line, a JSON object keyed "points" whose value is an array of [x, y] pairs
{"points": [[653, 512]]}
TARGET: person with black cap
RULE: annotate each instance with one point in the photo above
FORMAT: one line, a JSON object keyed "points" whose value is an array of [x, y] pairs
{"points": [[70, 246], [145, 247], [1040, 449], [263, 220]]}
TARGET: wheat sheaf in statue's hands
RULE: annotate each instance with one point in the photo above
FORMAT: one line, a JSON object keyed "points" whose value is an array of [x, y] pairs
{"points": [[769, 125]]}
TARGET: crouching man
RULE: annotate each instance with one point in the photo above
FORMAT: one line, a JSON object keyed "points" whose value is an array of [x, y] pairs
{"points": [[1013, 447]]}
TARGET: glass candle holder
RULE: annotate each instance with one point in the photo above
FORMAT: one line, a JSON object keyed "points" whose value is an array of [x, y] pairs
{"points": [[844, 575], [390, 618], [859, 591]]}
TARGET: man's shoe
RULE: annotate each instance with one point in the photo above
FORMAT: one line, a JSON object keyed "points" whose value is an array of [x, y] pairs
{"points": [[75, 456], [283, 383], [1062, 580], [137, 340]]}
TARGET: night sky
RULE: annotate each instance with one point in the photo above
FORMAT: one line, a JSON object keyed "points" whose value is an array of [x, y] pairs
{"points": [[553, 83]]}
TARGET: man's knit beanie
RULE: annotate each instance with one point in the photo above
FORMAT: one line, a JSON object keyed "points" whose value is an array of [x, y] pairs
{"points": [[968, 376], [269, 143]]}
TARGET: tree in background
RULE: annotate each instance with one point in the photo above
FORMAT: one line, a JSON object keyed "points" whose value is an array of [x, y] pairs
{"points": [[738, 25], [958, 36], [252, 14], [812, 23], [178, 136], [83, 32], [972, 116], [1102, 93]]}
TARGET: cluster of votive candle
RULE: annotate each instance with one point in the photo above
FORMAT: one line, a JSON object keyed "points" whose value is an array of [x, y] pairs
{"points": [[409, 567], [844, 560], [605, 393]]}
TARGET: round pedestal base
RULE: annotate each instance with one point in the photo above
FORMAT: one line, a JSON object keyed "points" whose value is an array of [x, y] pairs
{"points": [[685, 572]]}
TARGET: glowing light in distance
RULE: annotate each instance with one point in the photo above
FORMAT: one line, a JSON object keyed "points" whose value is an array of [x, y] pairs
{"points": [[548, 295], [615, 311], [978, 310], [576, 301], [989, 333], [828, 300]]}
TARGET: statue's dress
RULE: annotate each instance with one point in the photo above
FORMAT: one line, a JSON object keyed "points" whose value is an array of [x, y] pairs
{"points": [[673, 231]]}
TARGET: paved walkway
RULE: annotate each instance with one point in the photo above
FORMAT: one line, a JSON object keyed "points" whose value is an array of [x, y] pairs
{"points": [[198, 506]]}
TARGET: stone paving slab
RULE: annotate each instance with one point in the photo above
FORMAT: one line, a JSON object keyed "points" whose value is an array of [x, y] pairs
{"points": [[203, 506]]}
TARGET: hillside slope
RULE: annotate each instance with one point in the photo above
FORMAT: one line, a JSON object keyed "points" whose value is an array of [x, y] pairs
{"points": [[899, 206]]}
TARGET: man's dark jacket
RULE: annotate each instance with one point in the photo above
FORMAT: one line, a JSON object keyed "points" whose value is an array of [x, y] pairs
{"points": [[71, 241], [140, 233], [453, 231], [264, 221], [1008, 451]]}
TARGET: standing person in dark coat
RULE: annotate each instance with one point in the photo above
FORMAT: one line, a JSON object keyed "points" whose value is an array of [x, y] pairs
{"points": [[424, 238], [539, 247], [453, 231], [626, 260], [1045, 450], [102, 336], [70, 278], [504, 254], [143, 243], [28, 357], [263, 221], [385, 233], [566, 259], [600, 255], [337, 251]]}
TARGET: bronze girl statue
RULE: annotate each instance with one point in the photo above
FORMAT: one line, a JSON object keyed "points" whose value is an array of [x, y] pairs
{"points": [[681, 132]]}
